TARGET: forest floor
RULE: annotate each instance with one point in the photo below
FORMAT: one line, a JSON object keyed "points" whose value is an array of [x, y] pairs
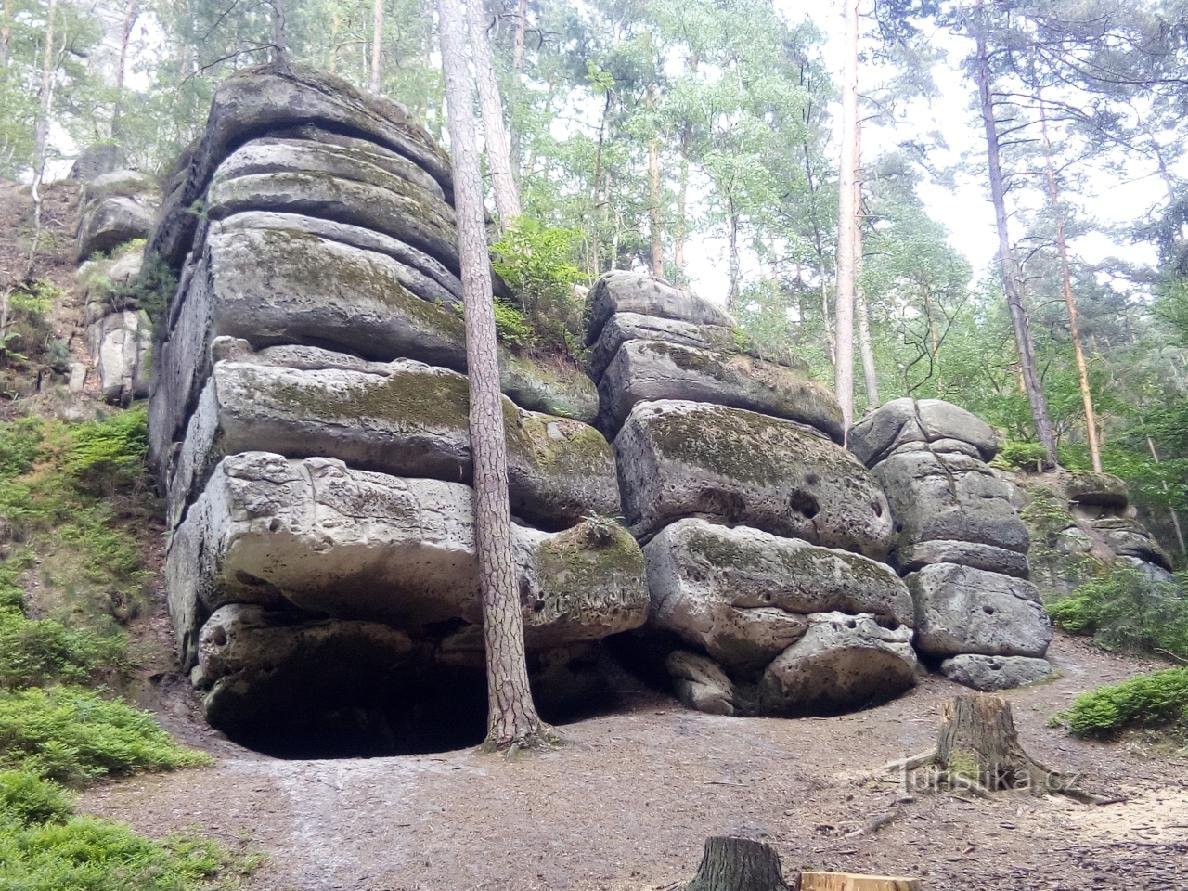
{"points": [[628, 800]]}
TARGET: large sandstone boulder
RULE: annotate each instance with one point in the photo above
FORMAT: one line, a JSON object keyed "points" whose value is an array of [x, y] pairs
{"points": [[678, 459], [121, 346], [96, 160], [990, 673], [656, 369], [116, 208], [620, 291], [960, 609], [908, 420], [699, 683], [1127, 537], [742, 595], [843, 662], [316, 535], [402, 417]]}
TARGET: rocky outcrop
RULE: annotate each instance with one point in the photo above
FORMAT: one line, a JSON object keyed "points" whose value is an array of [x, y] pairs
{"points": [[117, 207], [990, 673], [762, 533], [310, 424], [1081, 523], [958, 536]]}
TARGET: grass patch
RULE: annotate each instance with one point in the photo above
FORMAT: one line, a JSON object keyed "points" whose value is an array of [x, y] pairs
{"points": [[1124, 610], [1158, 700], [72, 735]]}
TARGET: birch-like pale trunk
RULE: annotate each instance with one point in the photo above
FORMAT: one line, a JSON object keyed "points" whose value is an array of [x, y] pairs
{"points": [[497, 140], [1012, 277], [847, 220], [654, 215], [45, 95], [512, 718], [861, 310], [377, 45]]}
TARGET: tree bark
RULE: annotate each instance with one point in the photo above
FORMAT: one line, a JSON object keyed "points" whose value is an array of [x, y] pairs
{"points": [[735, 266], [280, 34], [861, 312], [377, 43], [847, 220], [1070, 301], [5, 32], [512, 718], [518, 38], [681, 230], [497, 141], [45, 95], [737, 864], [654, 215], [1011, 274]]}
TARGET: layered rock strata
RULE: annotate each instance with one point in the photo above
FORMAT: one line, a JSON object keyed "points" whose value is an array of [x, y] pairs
{"points": [[762, 533], [958, 540], [309, 422]]}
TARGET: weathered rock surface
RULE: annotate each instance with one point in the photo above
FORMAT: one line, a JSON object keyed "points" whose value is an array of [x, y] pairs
{"points": [[1098, 489], [620, 291], [402, 417], [656, 369], [1127, 537], [960, 609], [912, 557], [843, 662], [908, 420], [678, 459], [741, 594], [699, 683], [121, 348], [319, 536], [989, 673], [96, 160], [116, 208]]}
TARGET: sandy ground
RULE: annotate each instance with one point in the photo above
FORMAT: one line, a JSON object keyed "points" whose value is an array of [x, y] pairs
{"points": [[628, 800]]}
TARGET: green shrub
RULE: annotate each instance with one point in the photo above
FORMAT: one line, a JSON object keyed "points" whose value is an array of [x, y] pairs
{"points": [[20, 444], [1022, 456], [85, 854], [512, 328], [1151, 700], [108, 455], [27, 798], [536, 261], [44, 651], [1125, 610], [72, 735]]}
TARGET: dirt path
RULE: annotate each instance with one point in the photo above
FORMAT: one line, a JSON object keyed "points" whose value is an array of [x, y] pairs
{"points": [[627, 802]]}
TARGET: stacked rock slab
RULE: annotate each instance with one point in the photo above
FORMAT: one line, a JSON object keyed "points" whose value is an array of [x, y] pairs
{"points": [[763, 535], [310, 424], [958, 540], [118, 207], [1080, 522]]}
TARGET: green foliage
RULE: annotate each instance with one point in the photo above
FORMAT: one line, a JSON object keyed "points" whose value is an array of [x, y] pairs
{"points": [[44, 651], [1021, 456], [71, 735], [27, 798], [1125, 610], [107, 455], [537, 262], [1152, 700]]}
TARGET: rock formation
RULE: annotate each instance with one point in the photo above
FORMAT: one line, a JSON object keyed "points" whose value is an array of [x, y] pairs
{"points": [[118, 207], [762, 534], [958, 540], [309, 423]]}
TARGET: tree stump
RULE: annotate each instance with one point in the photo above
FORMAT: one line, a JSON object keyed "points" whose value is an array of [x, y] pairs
{"points": [[737, 864], [978, 749]]}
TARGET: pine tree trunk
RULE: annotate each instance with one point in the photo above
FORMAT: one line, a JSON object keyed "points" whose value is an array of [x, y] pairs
{"points": [[497, 141], [681, 230], [518, 39], [5, 31], [512, 718], [735, 266], [1011, 274], [737, 864], [280, 34], [657, 236], [861, 311], [45, 97], [377, 43], [1069, 300], [131, 13], [847, 220]]}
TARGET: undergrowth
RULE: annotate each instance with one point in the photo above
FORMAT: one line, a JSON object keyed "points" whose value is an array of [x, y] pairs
{"points": [[1158, 700], [1125, 610]]}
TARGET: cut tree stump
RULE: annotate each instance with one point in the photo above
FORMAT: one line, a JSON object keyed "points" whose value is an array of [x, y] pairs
{"points": [[978, 750], [853, 881], [737, 864]]}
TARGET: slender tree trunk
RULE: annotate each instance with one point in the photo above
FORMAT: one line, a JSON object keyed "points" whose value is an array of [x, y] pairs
{"points": [[735, 266], [1011, 275], [681, 230], [512, 718], [497, 141], [933, 338], [131, 13], [1175, 517], [5, 31], [861, 312], [654, 208], [377, 44], [45, 95], [518, 37], [1070, 301], [335, 46], [599, 210], [847, 220], [280, 34], [819, 247]]}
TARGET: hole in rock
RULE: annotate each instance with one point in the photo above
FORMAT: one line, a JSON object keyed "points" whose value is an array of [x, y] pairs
{"points": [[359, 702]]}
